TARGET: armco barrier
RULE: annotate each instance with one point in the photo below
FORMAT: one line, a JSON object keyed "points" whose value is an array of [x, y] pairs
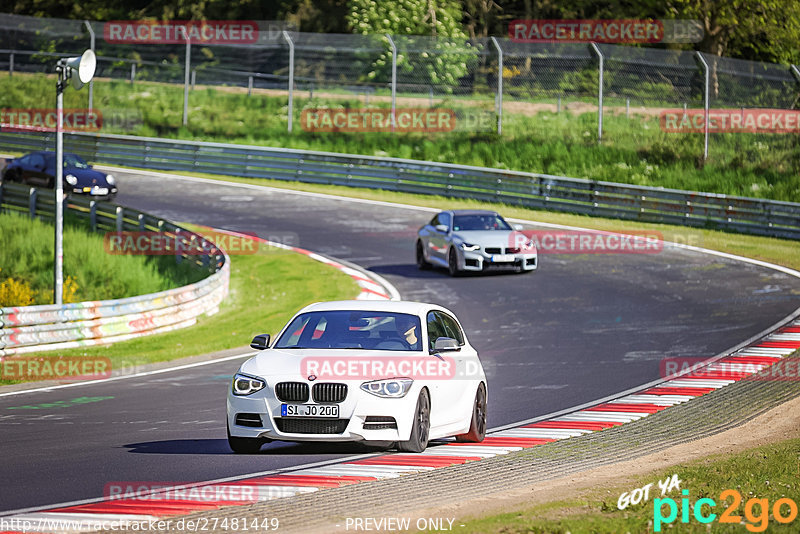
{"points": [[50, 327], [541, 191]]}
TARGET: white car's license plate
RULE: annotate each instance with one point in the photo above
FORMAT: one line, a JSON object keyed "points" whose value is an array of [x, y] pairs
{"points": [[502, 258], [310, 410]]}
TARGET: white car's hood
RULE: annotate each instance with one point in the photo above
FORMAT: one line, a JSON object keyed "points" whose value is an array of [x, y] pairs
{"points": [[284, 363]]}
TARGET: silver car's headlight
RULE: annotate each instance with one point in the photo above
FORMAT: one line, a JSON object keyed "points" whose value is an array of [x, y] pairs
{"points": [[469, 247], [246, 385], [110, 179], [71, 180], [389, 388]]}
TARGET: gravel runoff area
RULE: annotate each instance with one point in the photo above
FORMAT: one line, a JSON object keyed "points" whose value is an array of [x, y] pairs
{"points": [[713, 413]]}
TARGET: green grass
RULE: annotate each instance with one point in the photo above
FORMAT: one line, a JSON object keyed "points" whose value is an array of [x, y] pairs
{"points": [[780, 251], [26, 254], [633, 150], [770, 472], [265, 290]]}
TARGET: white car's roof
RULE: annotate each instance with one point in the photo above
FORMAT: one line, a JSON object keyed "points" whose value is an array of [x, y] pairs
{"points": [[397, 306]]}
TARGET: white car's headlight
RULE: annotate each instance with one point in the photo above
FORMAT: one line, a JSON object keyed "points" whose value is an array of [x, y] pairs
{"points": [[390, 388], [246, 385], [468, 247], [71, 180], [110, 179]]}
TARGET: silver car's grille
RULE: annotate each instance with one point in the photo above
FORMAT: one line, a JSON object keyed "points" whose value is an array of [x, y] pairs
{"points": [[292, 391], [493, 250], [323, 392]]}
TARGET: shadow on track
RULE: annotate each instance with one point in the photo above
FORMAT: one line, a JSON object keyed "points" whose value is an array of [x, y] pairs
{"points": [[410, 270], [277, 448]]}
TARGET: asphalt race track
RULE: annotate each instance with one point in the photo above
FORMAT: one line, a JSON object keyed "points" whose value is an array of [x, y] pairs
{"points": [[581, 328]]}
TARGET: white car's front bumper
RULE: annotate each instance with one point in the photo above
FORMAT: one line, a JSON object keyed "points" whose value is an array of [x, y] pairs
{"points": [[362, 417]]}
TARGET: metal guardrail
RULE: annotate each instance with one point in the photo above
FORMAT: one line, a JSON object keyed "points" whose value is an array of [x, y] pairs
{"points": [[539, 191], [51, 327]]}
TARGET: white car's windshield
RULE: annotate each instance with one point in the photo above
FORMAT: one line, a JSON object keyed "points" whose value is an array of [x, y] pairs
{"points": [[340, 329], [479, 222]]}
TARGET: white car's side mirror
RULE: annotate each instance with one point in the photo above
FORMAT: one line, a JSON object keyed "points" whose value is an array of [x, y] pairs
{"points": [[445, 344]]}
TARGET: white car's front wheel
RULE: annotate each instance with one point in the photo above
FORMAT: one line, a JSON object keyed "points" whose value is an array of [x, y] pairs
{"points": [[420, 430], [244, 445]]}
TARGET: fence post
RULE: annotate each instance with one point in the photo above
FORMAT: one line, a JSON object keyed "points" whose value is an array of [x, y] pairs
{"points": [[93, 215], [91, 45], [133, 72], [249, 85], [290, 42], [394, 79], [178, 246], [498, 99], [706, 81], [11, 64], [599, 93], [120, 217], [32, 194], [194, 77], [186, 81]]}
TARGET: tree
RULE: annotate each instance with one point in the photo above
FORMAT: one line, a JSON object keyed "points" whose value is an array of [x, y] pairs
{"points": [[766, 30], [443, 61]]}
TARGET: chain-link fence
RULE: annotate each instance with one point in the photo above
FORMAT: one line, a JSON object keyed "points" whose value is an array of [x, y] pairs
{"points": [[669, 92]]}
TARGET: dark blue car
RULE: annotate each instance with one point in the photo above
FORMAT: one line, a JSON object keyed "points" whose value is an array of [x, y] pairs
{"points": [[39, 169]]}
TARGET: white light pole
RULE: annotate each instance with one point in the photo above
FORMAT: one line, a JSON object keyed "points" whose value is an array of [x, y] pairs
{"points": [[85, 66]]}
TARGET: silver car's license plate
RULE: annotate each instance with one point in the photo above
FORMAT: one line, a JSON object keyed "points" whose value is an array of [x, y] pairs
{"points": [[502, 258], [310, 410]]}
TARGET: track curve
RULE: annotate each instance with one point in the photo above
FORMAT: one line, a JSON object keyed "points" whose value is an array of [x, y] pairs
{"points": [[581, 328]]}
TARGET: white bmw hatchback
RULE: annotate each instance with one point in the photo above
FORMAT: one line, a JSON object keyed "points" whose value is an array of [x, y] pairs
{"points": [[401, 372]]}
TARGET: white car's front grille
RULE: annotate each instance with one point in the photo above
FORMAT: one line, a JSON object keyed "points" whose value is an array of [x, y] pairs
{"points": [[292, 391], [323, 392], [310, 425]]}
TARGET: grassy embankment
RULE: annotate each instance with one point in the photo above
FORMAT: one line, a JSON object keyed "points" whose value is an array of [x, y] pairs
{"points": [[634, 150], [265, 289]]}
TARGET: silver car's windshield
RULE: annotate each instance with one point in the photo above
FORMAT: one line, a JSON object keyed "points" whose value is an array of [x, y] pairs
{"points": [[346, 329], [479, 222]]}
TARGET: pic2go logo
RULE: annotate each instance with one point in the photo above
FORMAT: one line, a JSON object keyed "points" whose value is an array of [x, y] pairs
{"points": [[756, 511]]}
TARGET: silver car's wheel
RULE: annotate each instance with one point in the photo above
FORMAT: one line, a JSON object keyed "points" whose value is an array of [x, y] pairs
{"points": [[452, 262], [422, 263]]}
